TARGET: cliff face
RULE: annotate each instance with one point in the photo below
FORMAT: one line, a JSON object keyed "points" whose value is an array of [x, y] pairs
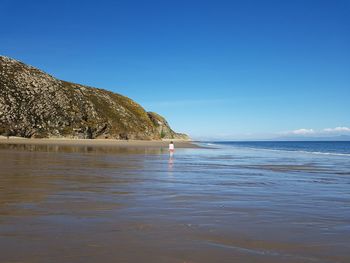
{"points": [[164, 129], [35, 104]]}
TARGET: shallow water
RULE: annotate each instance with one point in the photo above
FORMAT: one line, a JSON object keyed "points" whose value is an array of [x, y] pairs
{"points": [[105, 204]]}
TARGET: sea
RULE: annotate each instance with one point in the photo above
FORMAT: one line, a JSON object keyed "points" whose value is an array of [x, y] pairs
{"points": [[312, 147], [263, 202]]}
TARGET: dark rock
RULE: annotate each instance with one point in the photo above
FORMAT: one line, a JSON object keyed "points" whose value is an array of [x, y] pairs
{"points": [[164, 129], [35, 104]]}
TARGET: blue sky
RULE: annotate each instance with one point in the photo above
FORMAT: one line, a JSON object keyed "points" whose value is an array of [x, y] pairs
{"points": [[214, 69]]}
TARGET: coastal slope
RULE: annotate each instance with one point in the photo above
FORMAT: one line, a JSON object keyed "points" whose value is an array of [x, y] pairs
{"points": [[34, 104]]}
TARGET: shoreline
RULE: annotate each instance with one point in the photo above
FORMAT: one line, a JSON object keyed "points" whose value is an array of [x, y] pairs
{"points": [[98, 142]]}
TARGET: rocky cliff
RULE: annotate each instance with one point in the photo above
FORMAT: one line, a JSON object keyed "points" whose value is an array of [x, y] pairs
{"points": [[35, 104]]}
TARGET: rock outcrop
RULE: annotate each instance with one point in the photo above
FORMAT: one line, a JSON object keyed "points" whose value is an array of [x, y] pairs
{"points": [[164, 129], [35, 104]]}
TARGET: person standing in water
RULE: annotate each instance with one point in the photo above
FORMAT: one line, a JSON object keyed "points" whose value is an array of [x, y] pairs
{"points": [[171, 148]]}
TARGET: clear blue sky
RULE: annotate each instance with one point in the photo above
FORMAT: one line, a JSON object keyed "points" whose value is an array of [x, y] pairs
{"points": [[225, 69]]}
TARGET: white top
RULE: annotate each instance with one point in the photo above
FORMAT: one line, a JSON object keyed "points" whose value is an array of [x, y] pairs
{"points": [[171, 146]]}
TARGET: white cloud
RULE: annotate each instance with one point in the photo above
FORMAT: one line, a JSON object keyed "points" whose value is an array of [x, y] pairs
{"points": [[323, 132], [337, 129], [302, 131]]}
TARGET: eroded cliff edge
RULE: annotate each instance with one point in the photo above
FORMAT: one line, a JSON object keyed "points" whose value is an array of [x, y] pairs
{"points": [[35, 104]]}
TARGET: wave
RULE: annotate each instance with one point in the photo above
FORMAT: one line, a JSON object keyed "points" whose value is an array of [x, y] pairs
{"points": [[311, 151], [301, 151], [326, 153]]}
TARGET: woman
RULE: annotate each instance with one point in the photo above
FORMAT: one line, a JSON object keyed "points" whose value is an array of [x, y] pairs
{"points": [[171, 148]]}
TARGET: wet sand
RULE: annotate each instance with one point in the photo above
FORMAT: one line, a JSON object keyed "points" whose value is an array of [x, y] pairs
{"points": [[81, 203], [96, 142]]}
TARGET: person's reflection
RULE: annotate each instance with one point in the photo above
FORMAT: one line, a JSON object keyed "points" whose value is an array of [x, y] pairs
{"points": [[171, 162]]}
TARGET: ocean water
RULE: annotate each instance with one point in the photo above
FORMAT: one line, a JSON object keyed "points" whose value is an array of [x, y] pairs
{"points": [[315, 147], [227, 203]]}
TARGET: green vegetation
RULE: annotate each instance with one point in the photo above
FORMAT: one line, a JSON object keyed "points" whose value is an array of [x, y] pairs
{"points": [[34, 104]]}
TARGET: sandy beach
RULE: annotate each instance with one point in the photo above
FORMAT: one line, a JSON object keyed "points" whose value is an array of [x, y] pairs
{"points": [[83, 203], [98, 142]]}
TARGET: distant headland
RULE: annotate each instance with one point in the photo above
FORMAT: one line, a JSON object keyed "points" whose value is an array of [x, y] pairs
{"points": [[34, 104]]}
